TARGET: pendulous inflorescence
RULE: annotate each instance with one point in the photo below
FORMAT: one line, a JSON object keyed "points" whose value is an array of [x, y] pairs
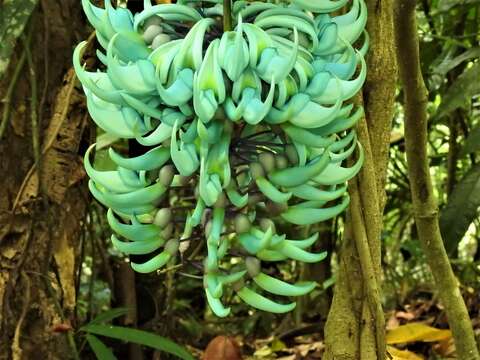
{"points": [[243, 131]]}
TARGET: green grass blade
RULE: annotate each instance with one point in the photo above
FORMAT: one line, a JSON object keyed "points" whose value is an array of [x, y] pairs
{"points": [[102, 352], [109, 315], [140, 337]]}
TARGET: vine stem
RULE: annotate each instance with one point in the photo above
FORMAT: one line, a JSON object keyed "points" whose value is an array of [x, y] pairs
{"points": [[425, 208], [227, 15]]}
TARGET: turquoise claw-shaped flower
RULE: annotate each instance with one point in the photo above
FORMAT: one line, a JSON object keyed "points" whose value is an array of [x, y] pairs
{"points": [[244, 130], [209, 87], [233, 52]]}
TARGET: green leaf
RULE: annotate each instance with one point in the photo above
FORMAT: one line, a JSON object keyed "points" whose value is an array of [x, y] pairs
{"points": [[448, 63], [14, 16], [102, 352], [109, 315], [139, 337], [472, 143], [461, 209], [461, 91], [447, 5]]}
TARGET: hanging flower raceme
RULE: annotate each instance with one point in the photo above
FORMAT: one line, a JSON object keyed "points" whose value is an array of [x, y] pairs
{"points": [[244, 131]]}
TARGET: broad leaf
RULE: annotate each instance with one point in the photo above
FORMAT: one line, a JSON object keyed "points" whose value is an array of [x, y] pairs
{"points": [[461, 209], [450, 63], [447, 5], [402, 354], [472, 143], [461, 91], [102, 352], [140, 337], [14, 16]]}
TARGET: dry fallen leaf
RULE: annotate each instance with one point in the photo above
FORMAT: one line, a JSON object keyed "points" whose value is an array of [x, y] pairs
{"points": [[416, 332], [222, 348], [445, 348], [402, 354]]}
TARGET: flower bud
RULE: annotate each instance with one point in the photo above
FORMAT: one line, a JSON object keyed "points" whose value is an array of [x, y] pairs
{"points": [[275, 208], [267, 160], [166, 174], [237, 286], [221, 202], [153, 20], [266, 224], [281, 162], [151, 32], [159, 40], [163, 217], [253, 266], [167, 232], [172, 246], [257, 170], [292, 154], [242, 224]]}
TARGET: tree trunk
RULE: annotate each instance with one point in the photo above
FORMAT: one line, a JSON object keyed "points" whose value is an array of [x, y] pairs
{"points": [[355, 326], [423, 199], [42, 196]]}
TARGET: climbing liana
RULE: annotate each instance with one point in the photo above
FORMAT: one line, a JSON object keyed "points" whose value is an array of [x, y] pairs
{"points": [[244, 131]]}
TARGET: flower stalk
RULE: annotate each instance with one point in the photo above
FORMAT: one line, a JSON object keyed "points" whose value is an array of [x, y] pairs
{"points": [[227, 15]]}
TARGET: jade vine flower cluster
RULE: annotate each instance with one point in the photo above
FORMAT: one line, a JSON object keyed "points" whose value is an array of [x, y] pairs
{"points": [[244, 132]]}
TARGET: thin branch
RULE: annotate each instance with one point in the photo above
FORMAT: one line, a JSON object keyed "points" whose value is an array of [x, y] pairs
{"points": [[423, 198], [16, 349], [8, 96], [33, 101]]}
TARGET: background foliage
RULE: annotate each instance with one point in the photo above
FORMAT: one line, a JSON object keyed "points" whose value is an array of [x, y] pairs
{"points": [[171, 303]]}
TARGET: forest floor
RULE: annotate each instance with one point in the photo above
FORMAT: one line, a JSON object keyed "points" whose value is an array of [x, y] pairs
{"points": [[416, 331]]}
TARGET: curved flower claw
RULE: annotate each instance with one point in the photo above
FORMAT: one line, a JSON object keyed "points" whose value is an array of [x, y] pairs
{"points": [[151, 160], [162, 57], [110, 180], [190, 54], [209, 87], [96, 82], [295, 176], [108, 21], [126, 121], [135, 78], [250, 107], [254, 243], [302, 112], [184, 155], [233, 52], [320, 6], [262, 303], [180, 92], [342, 89], [335, 174], [174, 12], [279, 287], [273, 66], [135, 231], [258, 41]]}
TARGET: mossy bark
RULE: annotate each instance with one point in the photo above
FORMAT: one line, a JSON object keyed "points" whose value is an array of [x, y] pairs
{"points": [[355, 326], [423, 199], [41, 203]]}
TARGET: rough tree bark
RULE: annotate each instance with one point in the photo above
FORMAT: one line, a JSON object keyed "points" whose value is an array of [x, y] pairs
{"points": [[355, 326], [423, 199], [41, 202]]}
